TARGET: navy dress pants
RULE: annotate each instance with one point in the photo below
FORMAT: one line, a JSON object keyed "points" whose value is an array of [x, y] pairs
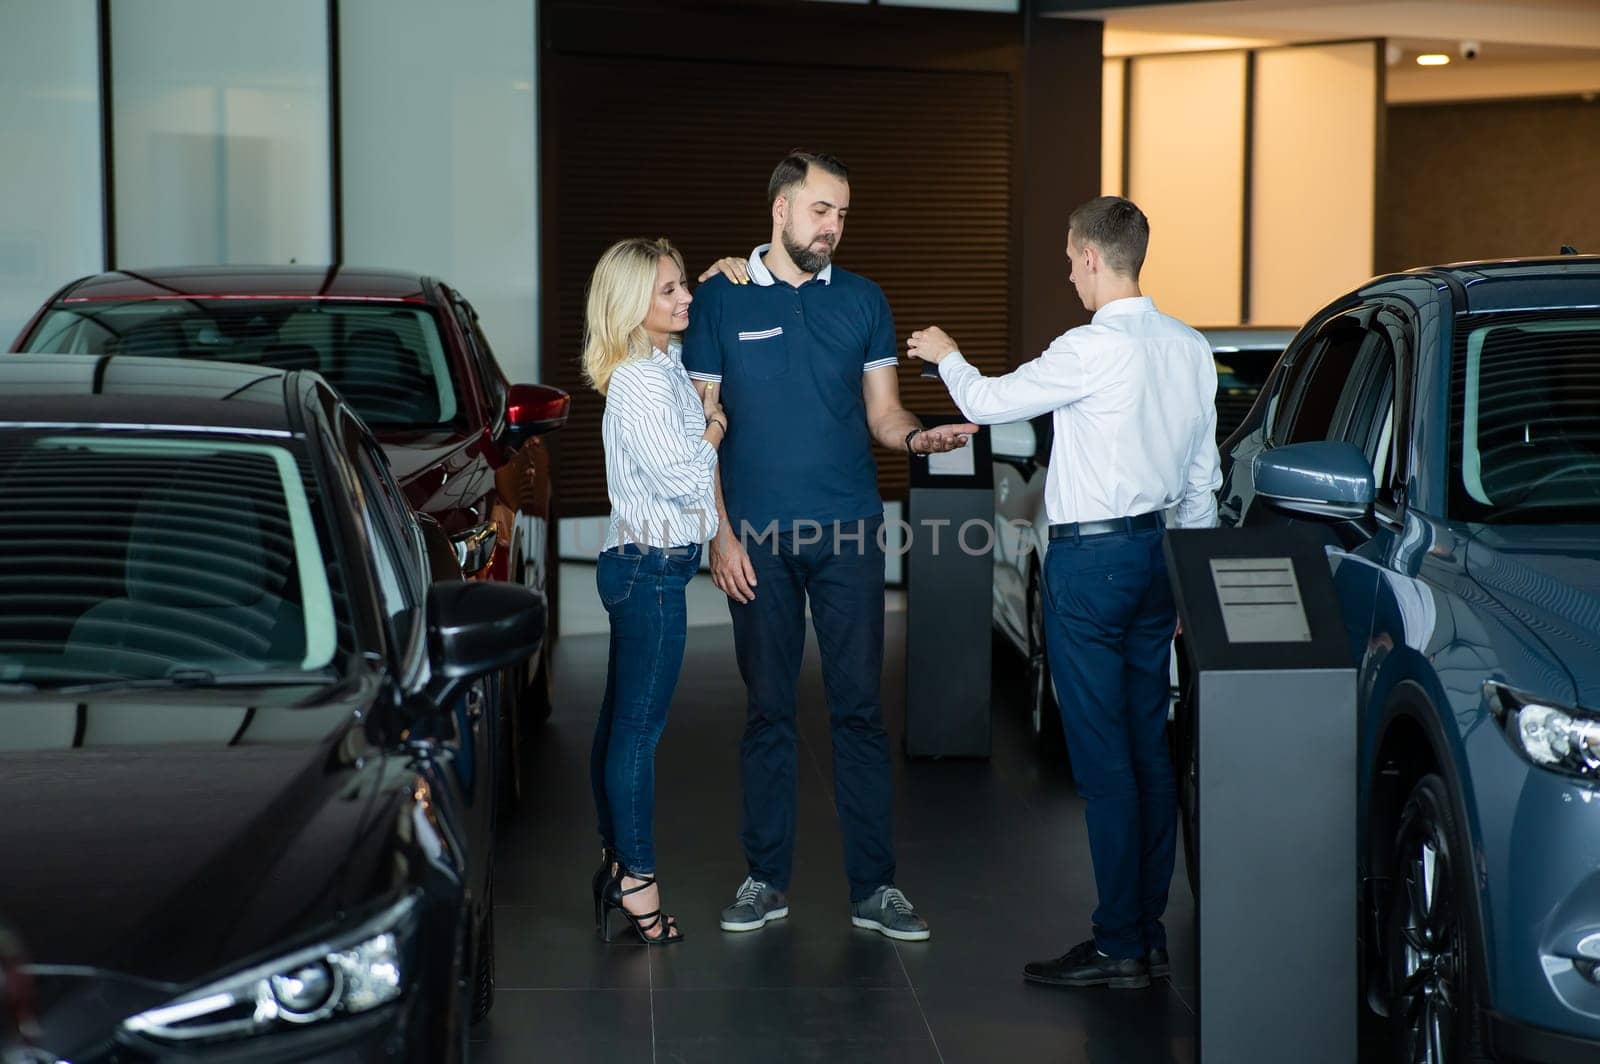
{"points": [[1109, 621], [840, 569]]}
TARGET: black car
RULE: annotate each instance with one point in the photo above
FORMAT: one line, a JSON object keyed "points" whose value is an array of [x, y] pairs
{"points": [[244, 746], [17, 1024], [407, 353]]}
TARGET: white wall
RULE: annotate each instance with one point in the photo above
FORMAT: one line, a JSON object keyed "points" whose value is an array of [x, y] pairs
{"points": [[440, 164], [50, 215], [1312, 179], [1314, 193], [1186, 171]]}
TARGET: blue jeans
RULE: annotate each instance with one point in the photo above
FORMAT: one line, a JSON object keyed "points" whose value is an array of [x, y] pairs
{"points": [[1108, 630], [841, 572], [642, 589]]}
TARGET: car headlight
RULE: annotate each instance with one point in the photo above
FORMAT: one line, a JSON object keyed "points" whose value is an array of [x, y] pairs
{"points": [[351, 972], [475, 547], [1553, 736]]}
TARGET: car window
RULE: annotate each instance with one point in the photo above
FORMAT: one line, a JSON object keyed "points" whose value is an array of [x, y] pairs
{"points": [[494, 385], [1383, 465], [1525, 418], [386, 359], [1386, 442], [1357, 417], [397, 516], [393, 556], [140, 556], [398, 542], [1317, 380]]}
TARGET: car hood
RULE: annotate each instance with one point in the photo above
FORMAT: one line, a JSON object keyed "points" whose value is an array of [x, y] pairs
{"points": [[1549, 577], [160, 842], [442, 473]]}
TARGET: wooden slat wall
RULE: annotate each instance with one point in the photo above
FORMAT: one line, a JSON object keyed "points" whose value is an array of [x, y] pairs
{"points": [[683, 149]]}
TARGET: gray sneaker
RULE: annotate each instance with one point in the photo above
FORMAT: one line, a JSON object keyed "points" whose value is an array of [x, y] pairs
{"points": [[754, 906], [891, 913]]}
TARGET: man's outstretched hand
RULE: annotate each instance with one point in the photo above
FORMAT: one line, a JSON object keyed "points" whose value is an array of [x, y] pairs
{"points": [[933, 345], [942, 438]]}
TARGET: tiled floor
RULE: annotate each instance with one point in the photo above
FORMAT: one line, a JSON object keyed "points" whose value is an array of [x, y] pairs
{"points": [[992, 852]]}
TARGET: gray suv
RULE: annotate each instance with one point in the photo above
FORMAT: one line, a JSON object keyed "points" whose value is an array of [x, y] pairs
{"points": [[1440, 428]]}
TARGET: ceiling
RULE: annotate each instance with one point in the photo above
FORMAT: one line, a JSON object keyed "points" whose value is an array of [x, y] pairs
{"points": [[1564, 24], [1523, 47]]}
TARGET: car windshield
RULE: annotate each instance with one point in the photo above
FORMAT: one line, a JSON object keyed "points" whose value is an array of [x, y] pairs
{"points": [[133, 556], [1525, 419], [386, 359]]}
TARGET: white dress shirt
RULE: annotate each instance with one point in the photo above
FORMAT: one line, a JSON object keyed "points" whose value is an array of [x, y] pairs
{"points": [[659, 467], [1134, 394]]}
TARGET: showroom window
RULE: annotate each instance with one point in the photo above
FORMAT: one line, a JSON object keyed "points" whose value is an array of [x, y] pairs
{"points": [[50, 217], [220, 132], [438, 129]]}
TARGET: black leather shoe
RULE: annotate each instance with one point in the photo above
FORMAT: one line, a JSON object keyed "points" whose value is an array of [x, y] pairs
{"points": [[1084, 965], [1160, 963]]}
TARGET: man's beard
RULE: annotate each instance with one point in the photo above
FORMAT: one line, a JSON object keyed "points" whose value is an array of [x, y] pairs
{"points": [[807, 258]]}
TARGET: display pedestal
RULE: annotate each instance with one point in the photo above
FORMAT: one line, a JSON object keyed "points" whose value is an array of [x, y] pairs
{"points": [[1275, 734], [949, 600]]}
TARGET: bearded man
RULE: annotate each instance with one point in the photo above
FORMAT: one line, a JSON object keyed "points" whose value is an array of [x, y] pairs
{"points": [[804, 356]]}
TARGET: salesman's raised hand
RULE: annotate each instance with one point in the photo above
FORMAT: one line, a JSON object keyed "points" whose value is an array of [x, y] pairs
{"points": [[731, 570], [932, 344], [942, 438], [735, 270]]}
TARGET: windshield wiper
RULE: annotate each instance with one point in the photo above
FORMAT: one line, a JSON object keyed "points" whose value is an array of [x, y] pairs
{"points": [[197, 678]]}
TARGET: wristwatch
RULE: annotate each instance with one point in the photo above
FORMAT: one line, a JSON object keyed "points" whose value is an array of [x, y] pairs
{"points": [[909, 437]]}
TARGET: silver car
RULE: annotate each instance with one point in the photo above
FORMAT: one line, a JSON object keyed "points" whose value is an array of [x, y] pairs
{"points": [[1245, 357]]}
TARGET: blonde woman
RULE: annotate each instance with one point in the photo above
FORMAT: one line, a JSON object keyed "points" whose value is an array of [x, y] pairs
{"points": [[661, 437]]}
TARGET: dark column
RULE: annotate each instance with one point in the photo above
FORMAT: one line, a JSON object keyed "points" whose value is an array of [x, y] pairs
{"points": [[1058, 168]]}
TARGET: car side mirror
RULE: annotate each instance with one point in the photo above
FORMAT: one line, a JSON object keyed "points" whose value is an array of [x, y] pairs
{"points": [[477, 627], [1322, 478], [1014, 442], [533, 410]]}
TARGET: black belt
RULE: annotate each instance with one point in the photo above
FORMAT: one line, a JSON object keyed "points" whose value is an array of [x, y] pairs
{"points": [[1080, 529]]}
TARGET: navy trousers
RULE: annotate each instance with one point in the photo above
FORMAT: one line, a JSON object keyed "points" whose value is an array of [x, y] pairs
{"points": [[642, 589], [1108, 630], [840, 570]]}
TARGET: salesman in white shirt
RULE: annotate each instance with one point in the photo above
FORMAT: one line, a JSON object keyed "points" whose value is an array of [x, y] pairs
{"points": [[1133, 394]]}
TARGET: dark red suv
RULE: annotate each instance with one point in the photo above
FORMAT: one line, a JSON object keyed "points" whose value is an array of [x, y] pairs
{"points": [[407, 353]]}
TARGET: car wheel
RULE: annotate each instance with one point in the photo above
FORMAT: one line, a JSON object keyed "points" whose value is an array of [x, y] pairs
{"points": [[1044, 718], [1435, 1015], [483, 973]]}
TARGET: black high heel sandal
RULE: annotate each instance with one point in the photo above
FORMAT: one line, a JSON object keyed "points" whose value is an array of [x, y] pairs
{"points": [[643, 924], [602, 876]]}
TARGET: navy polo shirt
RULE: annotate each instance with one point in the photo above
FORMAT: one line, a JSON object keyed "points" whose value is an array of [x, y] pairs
{"points": [[791, 362]]}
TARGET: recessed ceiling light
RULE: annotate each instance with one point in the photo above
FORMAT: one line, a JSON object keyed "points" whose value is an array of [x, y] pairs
{"points": [[1433, 59]]}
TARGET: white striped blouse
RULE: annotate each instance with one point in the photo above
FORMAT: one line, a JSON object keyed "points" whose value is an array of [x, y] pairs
{"points": [[659, 467]]}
